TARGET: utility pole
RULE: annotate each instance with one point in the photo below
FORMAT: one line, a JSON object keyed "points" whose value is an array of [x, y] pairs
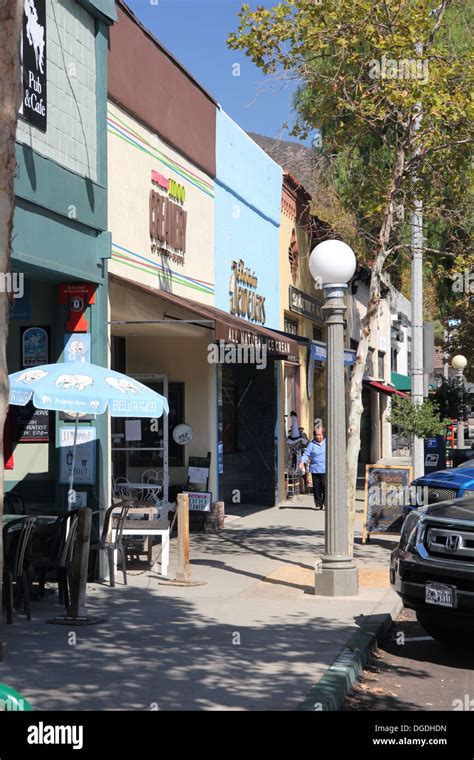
{"points": [[417, 379]]}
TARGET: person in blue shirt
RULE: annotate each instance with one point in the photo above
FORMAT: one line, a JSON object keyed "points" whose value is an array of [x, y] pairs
{"points": [[315, 455]]}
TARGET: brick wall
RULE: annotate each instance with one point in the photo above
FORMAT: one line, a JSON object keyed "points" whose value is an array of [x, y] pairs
{"points": [[71, 137]]}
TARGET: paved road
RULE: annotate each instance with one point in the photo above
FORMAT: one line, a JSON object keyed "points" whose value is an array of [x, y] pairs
{"points": [[411, 674]]}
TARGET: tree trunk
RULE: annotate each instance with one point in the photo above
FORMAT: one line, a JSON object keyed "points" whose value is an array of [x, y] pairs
{"points": [[367, 325], [11, 14]]}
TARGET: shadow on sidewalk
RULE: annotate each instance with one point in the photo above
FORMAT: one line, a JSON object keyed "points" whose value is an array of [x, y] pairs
{"points": [[161, 652], [258, 576]]}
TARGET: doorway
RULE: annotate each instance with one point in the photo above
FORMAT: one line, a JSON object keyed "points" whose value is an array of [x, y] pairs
{"points": [[140, 444]]}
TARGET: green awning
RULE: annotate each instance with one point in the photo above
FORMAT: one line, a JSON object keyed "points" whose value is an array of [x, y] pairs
{"points": [[401, 382]]}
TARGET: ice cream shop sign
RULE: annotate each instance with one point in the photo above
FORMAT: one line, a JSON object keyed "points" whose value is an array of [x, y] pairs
{"points": [[167, 218], [244, 301]]}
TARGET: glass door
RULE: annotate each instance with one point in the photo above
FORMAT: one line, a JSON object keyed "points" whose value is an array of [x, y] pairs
{"points": [[140, 444]]}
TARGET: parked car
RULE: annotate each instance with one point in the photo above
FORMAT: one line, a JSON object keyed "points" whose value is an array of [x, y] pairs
{"points": [[432, 569], [447, 484]]}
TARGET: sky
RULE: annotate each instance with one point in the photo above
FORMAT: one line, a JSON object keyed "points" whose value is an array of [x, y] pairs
{"points": [[195, 31]]}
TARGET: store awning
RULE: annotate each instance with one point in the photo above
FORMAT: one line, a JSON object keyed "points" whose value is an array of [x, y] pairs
{"points": [[401, 382], [383, 388], [228, 328]]}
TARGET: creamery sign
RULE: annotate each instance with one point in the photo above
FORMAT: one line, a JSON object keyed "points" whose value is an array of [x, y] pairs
{"points": [[244, 301], [168, 219]]}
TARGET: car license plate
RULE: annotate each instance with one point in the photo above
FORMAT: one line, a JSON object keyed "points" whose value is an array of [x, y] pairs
{"points": [[440, 594]]}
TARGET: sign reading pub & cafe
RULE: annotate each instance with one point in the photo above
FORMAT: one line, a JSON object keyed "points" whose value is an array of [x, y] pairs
{"points": [[33, 106]]}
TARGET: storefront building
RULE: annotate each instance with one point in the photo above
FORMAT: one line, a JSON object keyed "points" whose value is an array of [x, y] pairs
{"points": [[60, 241], [377, 391], [161, 217], [248, 196]]}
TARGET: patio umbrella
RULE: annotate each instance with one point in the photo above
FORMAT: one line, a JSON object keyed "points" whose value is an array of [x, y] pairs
{"points": [[82, 388]]}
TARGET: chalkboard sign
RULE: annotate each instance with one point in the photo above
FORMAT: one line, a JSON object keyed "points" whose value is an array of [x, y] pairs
{"points": [[32, 424], [387, 492]]}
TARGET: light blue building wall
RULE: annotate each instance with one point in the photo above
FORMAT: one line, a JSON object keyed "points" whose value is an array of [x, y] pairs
{"points": [[247, 214]]}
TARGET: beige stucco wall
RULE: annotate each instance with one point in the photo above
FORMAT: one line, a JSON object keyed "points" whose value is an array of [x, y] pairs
{"points": [[183, 360], [307, 408], [133, 152], [180, 352]]}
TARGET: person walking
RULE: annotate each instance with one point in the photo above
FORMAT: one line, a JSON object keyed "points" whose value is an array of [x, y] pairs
{"points": [[315, 455]]}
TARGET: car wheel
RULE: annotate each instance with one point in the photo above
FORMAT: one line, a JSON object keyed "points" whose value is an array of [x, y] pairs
{"points": [[446, 636]]}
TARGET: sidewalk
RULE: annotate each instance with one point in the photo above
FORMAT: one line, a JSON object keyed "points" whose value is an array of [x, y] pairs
{"points": [[255, 637]]}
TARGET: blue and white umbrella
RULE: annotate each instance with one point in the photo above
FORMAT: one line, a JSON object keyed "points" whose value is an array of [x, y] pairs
{"points": [[80, 388]]}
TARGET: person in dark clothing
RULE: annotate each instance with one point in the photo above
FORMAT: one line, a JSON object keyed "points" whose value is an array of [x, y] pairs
{"points": [[315, 455]]}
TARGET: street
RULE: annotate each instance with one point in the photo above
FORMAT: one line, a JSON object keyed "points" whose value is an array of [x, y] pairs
{"points": [[411, 671]]}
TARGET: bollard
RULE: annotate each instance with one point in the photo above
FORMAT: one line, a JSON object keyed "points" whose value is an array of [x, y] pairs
{"points": [[183, 573]]}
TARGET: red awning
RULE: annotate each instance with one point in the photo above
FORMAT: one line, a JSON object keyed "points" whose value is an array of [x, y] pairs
{"points": [[382, 388]]}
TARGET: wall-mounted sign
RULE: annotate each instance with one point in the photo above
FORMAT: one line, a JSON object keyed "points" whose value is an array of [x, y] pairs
{"points": [[174, 190], [79, 296], [244, 301], [33, 63], [306, 305], [32, 424], [320, 354], [34, 346], [275, 347], [84, 467], [168, 219], [183, 434], [77, 347]]}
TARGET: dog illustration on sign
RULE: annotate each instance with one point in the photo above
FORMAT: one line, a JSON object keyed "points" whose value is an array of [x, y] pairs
{"points": [[31, 375], [79, 382], [35, 33], [122, 385]]}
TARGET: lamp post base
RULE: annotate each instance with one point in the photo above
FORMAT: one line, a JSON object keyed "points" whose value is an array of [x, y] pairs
{"points": [[338, 580]]}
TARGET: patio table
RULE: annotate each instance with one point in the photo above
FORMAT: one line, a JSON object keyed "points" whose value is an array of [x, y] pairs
{"points": [[157, 527]]}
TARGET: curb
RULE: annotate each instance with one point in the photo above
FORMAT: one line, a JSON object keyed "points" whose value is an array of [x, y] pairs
{"points": [[330, 692]]}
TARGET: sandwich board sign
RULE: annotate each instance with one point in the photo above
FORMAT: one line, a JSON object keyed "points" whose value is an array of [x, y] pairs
{"points": [[387, 493]]}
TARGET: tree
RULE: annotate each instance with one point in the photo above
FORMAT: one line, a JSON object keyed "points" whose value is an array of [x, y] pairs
{"points": [[11, 14], [451, 399], [420, 420], [372, 72]]}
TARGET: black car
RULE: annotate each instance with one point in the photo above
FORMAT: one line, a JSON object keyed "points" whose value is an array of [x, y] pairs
{"points": [[432, 569]]}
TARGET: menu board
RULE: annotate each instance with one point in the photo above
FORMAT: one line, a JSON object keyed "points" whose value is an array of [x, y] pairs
{"points": [[32, 424], [387, 493]]}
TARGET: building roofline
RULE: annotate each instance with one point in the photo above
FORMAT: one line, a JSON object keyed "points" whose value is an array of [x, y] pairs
{"points": [[164, 50]]}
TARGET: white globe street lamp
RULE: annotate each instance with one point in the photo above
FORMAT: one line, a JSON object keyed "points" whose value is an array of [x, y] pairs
{"points": [[459, 364], [332, 264]]}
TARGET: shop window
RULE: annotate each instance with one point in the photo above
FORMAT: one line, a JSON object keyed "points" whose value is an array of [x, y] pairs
{"points": [[291, 326], [381, 364], [293, 256], [369, 364], [175, 417], [230, 429], [119, 357], [317, 333]]}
